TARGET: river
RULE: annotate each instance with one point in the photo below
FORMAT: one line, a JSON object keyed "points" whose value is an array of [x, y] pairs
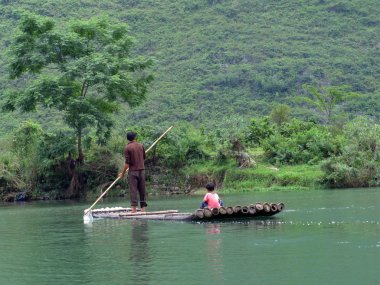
{"points": [[322, 237]]}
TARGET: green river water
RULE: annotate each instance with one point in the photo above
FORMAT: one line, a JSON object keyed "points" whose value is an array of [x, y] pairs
{"points": [[322, 237]]}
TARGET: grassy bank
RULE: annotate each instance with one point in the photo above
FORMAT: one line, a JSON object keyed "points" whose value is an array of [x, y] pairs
{"points": [[295, 157], [263, 177]]}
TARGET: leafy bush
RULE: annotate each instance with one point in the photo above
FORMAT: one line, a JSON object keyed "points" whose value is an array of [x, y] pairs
{"points": [[359, 163], [295, 126], [259, 130], [280, 114], [183, 144], [300, 142]]}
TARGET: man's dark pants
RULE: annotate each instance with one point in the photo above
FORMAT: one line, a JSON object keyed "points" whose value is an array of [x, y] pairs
{"points": [[136, 182]]}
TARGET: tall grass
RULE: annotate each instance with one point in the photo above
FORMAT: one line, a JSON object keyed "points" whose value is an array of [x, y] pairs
{"points": [[264, 177]]}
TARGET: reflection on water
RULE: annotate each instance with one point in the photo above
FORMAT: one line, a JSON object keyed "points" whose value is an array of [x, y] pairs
{"points": [[272, 223], [213, 228], [219, 253], [258, 223], [139, 252], [214, 254]]}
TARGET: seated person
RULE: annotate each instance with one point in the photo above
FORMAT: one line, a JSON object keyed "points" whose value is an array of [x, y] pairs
{"points": [[211, 199]]}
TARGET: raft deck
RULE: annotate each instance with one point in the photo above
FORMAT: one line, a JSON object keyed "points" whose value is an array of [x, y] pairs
{"points": [[206, 214]]}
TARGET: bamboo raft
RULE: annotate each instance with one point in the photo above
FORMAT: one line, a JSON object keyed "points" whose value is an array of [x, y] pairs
{"points": [[206, 214]]}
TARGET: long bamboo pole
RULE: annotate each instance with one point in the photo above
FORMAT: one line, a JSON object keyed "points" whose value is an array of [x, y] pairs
{"points": [[118, 178]]}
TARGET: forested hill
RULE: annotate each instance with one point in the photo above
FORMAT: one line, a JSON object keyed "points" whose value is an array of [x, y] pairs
{"points": [[218, 61]]}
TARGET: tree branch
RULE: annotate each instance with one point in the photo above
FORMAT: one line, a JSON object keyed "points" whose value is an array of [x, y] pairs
{"points": [[83, 89]]}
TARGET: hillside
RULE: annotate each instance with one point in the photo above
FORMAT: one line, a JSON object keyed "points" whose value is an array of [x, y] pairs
{"points": [[222, 62]]}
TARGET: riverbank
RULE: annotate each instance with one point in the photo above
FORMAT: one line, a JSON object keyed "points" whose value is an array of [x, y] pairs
{"points": [[191, 180], [262, 177], [230, 179], [300, 155]]}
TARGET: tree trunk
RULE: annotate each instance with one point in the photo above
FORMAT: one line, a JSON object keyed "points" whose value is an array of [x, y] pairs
{"points": [[72, 190], [80, 158], [76, 181]]}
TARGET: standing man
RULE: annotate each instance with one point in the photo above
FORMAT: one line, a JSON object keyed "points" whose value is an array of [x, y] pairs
{"points": [[134, 160]]}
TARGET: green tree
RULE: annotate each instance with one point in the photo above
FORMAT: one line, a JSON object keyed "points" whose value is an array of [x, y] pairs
{"points": [[301, 143], [25, 141], [326, 99], [359, 163], [280, 114], [83, 70], [259, 130]]}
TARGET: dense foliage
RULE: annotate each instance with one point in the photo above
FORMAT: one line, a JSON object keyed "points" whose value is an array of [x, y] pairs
{"points": [[277, 80], [216, 59], [80, 70], [300, 142], [359, 163]]}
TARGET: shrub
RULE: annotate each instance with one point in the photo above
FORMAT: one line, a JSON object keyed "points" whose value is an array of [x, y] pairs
{"points": [[259, 130], [359, 163], [301, 143]]}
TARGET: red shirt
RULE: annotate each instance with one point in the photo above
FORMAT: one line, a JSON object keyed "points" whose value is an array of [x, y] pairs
{"points": [[212, 200], [134, 156]]}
